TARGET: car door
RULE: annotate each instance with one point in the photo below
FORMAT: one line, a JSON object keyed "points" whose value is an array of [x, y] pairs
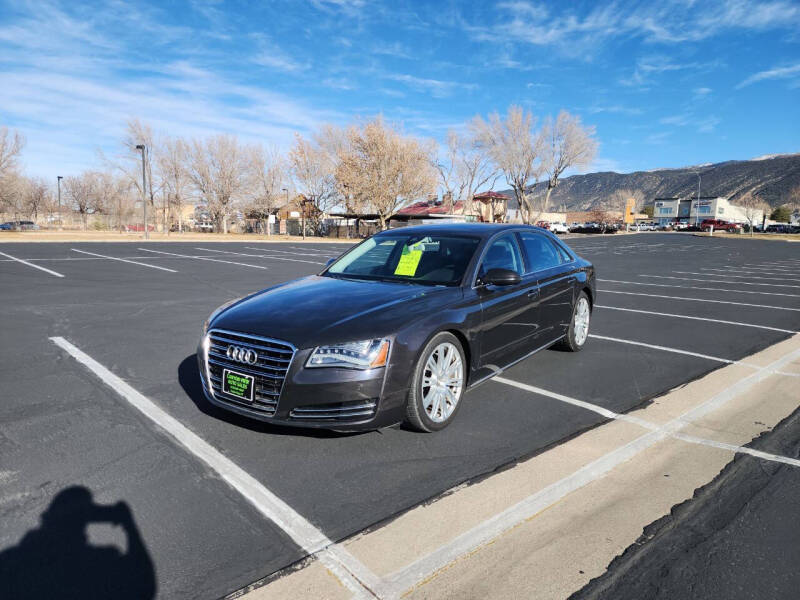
{"points": [[508, 313], [551, 266]]}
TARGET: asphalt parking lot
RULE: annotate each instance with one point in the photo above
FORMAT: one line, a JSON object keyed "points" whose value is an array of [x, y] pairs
{"points": [[670, 308]]}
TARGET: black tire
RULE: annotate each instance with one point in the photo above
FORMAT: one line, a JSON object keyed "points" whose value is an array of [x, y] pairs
{"points": [[416, 416], [569, 342]]}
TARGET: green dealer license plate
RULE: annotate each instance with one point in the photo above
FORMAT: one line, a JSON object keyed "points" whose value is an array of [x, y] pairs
{"points": [[237, 384]]}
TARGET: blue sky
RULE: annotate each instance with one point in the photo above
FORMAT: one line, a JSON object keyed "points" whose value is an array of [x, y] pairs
{"points": [[666, 83]]}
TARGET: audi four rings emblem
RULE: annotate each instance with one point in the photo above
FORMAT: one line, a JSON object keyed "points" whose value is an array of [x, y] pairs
{"points": [[242, 355]]}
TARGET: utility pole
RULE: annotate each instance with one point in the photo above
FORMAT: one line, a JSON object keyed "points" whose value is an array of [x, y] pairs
{"points": [[60, 220], [144, 193]]}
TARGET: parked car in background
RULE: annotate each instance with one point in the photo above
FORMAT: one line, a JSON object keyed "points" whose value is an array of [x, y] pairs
{"points": [[19, 226], [719, 225], [779, 228], [559, 228]]}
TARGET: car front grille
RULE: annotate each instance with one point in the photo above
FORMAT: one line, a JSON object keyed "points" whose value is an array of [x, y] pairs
{"points": [[269, 370], [359, 410]]}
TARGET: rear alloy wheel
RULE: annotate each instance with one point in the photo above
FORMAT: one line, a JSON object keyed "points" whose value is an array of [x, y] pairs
{"points": [[578, 331], [437, 385]]}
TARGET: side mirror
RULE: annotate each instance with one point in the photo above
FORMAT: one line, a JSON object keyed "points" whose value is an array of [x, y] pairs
{"points": [[501, 277], [329, 262]]}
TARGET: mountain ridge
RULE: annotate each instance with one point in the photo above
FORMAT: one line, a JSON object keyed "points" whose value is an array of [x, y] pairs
{"points": [[769, 177]]}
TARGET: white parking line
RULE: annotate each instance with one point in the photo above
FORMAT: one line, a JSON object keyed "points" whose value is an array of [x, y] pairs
{"points": [[773, 267], [648, 425], [694, 287], [698, 300], [85, 258], [312, 262], [718, 281], [125, 260], [675, 316], [738, 276], [687, 353], [673, 350], [348, 569], [482, 534], [25, 262], [204, 258], [742, 270]]}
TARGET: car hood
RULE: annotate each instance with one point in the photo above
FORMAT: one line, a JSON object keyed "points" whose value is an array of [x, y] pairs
{"points": [[318, 310]]}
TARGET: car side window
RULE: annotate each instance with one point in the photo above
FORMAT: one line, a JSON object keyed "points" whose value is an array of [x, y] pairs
{"points": [[503, 253], [541, 253]]}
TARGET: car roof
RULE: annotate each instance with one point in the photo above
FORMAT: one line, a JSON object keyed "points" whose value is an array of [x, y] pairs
{"points": [[482, 230]]}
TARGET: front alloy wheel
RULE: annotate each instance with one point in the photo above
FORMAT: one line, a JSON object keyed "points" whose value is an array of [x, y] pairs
{"points": [[438, 384], [578, 330]]}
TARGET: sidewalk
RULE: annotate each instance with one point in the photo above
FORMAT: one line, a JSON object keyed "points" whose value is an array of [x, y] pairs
{"points": [[549, 525]]}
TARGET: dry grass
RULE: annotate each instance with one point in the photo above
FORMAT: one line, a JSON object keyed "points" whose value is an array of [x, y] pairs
{"points": [[785, 237]]}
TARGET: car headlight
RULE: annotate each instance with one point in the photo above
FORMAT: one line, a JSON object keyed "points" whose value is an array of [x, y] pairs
{"points": [[214, 314], [366, 354]]}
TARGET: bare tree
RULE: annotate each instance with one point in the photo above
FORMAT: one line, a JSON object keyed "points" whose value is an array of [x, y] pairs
{"points": [[515, 149], [219, 169], [567, 143], [466, 168], [268, 180], [753, 208], [172, 158], [11, 145], [384, 169], [38, 197], [312, 167], [82, 191], [129, 164], [12, 194]]}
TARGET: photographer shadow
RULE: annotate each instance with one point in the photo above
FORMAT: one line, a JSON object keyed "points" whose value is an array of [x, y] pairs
{"points": [[56, 559]]}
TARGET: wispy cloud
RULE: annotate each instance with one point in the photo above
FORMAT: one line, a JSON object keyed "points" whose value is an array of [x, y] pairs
{"points": [[701, 124], [789, 72], [614, 109], [436, 87], [649, 67], [663, 22]]}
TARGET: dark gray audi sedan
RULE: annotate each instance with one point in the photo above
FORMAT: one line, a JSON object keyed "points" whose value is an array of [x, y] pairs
{"points": [[397, 328]]}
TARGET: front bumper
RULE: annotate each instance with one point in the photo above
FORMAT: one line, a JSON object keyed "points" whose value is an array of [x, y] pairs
{"points": [[321, 398]]}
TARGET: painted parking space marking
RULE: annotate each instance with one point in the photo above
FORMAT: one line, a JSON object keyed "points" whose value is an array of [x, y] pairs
{"points": [[718, 281], [672, 350], [769, 306], [740, 270], [649, 425], [480, 535], [349, 570], [25, 262], [738, 276], [691, 287], [707, 319], [261, 256], [204, 258], [125, 260]]}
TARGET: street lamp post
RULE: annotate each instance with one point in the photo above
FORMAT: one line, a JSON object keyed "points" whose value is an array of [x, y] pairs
{"points": [[60, 220], [303, 208], [287, 205], [697, 208], [144, 193]]}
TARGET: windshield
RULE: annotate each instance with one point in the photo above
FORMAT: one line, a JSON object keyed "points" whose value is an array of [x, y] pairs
{"points": [[427, 259]]}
